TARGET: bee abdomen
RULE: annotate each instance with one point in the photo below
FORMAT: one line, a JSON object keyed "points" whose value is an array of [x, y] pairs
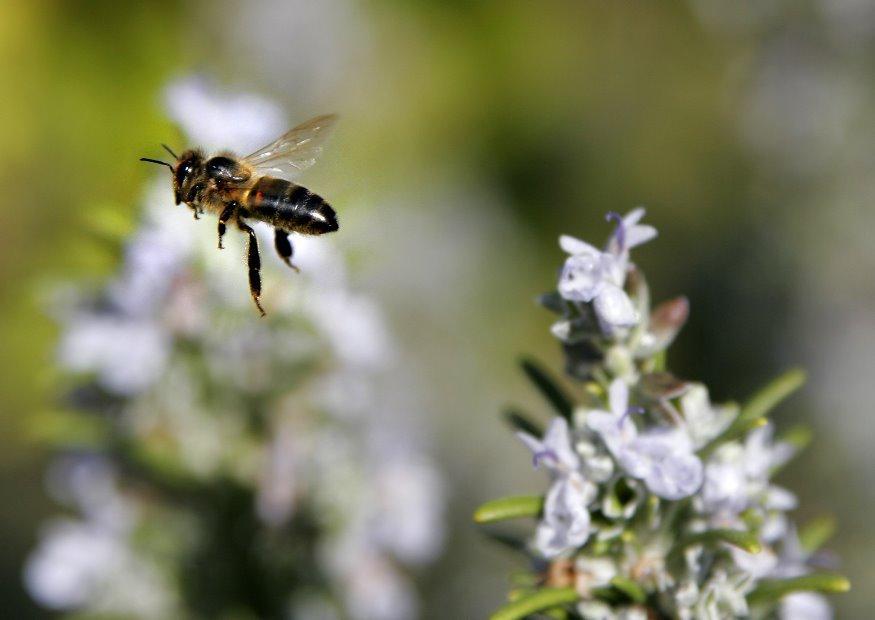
{"points": [[291, 207]]}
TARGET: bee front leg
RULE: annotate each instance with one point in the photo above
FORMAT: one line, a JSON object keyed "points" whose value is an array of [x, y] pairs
{"points": [[223, 218], [284, 247], [254, 261]]}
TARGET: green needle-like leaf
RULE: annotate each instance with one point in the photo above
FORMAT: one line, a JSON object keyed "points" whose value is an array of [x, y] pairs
{"points": [[770, 590], [521, 422], [743, 540], [630, 588], [509, 508], [816, 533], [541, 600], [799, 437], [549, 387], [508, 539], [771, 395]]}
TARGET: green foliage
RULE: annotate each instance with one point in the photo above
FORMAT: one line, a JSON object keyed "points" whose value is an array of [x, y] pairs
{"points": [[509, 508]]}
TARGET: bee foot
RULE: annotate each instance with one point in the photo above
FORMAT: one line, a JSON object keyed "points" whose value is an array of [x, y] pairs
{"points": [[258, 305]]}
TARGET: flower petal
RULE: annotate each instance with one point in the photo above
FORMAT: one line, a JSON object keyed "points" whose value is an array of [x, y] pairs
{"points": [[614, 308], [573, 245], [618, 397], [566, 522], [640, 234], [582, 277]]}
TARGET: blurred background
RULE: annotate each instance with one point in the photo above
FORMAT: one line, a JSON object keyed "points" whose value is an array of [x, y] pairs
{"points": [[472, 135]]}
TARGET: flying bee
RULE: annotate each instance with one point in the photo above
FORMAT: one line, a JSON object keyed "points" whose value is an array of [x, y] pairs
{"points": [[258, 187]]}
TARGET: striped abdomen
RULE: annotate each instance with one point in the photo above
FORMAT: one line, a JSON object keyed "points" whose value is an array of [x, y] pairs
{"points": [[290, 207]]}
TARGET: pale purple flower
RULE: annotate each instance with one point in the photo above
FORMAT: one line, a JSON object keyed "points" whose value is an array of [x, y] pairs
{"points": [[805, 606], [662, 457], [214, 119], [590, 275], [629, 233], [87, 565], [737, 475], [126, 355], [555, 450], [566, 522], [704, 421]]}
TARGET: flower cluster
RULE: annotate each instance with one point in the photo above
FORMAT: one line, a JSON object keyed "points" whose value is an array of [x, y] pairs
{"points": [[660, 502], [219, 464]]}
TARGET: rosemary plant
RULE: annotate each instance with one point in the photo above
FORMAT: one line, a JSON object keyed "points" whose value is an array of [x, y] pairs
{"points": [[660, 503]]}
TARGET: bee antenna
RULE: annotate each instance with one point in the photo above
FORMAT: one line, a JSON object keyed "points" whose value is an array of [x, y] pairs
{"points": [[169, 150], [157, 161]]}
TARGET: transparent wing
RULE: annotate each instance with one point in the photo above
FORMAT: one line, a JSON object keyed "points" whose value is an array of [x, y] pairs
{"points": [[294, 151]]}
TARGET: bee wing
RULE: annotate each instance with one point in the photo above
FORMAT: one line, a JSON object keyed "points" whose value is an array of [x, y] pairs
{"points": [[294, 151]]}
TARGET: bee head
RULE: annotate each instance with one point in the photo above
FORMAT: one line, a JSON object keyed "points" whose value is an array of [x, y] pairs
{"points": [[188, 168]]}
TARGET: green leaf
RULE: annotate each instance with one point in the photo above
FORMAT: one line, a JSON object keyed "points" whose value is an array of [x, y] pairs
{"points": [[541, 600], [799, 437], [549, 387], [521, 422], [630, 588], [743, 540], [509, 508], [816, 533], [771, 395], [770, 590], [507, 539]]}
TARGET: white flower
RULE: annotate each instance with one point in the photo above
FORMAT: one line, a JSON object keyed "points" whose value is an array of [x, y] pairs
{"points": [[592, 573], [629, 233], [593, 276], [410, 494], [663, 458], [127, 355], [737, 476], [704, 421], [215, 120], [566, 522], [375, 590], [555, 450], [590, 275], [805, 606], [83, 564], [71, 563], [723, 596]]}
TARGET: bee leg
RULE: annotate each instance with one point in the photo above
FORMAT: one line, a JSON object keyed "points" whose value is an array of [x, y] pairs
{"points": [[224, 217], [284, 247], [254, 261]]}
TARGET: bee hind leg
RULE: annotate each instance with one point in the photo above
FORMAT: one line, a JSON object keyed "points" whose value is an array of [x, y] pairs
{"points": [[254, 262], [284, 247]]}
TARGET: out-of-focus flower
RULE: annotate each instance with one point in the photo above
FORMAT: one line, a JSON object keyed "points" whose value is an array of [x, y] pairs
{"points": [[216, 120], [805, 606], [126, 355], [234, 453]]}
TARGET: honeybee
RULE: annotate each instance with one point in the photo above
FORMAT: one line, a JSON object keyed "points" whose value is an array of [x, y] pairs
{"points": [[258, 187]]}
